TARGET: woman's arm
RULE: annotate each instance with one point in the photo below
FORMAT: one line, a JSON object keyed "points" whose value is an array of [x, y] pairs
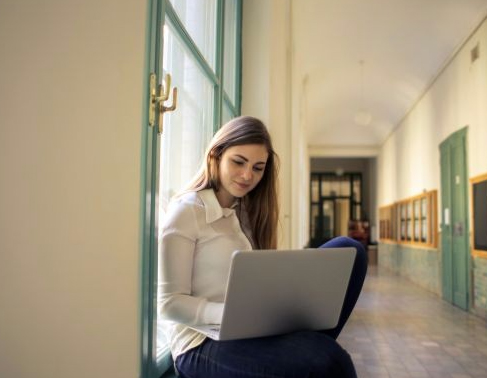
{"points": [[176, 253]]}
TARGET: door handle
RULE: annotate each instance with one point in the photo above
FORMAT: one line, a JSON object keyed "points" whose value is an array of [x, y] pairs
{"points": [[158, 95], [458, 229], [164, 109]]}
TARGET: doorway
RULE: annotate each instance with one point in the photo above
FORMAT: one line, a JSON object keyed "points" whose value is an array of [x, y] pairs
{"points": [[454, 215], [335, 201]]}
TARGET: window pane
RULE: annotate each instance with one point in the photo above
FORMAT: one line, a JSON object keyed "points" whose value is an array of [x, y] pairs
{"points": [[199, 20], [424, 232], [325, 188], [403, 221], [356, 189], [314, 222], [417, 222], [357, 212], [409, 221], [187, 130], [227, 113], [328, 219], [315, 194], [230, 50], [394, 222], [345, 187]]}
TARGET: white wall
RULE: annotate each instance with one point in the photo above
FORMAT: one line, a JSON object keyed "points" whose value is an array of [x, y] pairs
{"points": [[274, 91], [300, 158], [71, 81], [266, 77], [409, 160]]}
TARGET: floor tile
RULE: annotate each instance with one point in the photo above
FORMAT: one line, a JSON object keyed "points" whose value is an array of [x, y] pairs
{"points": [[400, 330]]}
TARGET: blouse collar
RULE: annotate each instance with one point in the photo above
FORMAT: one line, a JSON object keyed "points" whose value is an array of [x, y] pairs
{"points": [[213, 209]]}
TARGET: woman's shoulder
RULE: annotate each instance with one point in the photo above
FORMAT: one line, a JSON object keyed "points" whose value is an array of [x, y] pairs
{"points": [[187, 199], [186, 203]]}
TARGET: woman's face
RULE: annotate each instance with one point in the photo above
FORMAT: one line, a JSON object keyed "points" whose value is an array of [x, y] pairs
{"points": [[241, 168]]}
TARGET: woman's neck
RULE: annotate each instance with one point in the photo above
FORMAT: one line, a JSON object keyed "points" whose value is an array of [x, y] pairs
{"points": [[224, 198]]}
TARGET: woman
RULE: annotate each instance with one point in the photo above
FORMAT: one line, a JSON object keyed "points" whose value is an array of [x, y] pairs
{"points": [[232, 205]]}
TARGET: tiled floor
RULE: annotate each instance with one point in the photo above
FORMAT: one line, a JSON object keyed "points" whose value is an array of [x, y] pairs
{"points": [[400, 330]]}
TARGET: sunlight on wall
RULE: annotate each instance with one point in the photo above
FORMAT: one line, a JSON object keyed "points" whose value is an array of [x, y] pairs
{"points": [[409, 159]]}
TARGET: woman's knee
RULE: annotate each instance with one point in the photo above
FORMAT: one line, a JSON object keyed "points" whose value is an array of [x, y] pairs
{"points": [[344, 242], [344, 365], [335, 363]]}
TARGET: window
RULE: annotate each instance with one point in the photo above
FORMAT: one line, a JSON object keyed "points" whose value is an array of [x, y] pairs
{"points": [[478, 193], [335, 200], [196, 42], [414, 217], [387, 223], [192, 40]]}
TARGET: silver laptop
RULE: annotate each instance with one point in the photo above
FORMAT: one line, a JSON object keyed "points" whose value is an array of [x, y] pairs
{"points": [[271, 292]]}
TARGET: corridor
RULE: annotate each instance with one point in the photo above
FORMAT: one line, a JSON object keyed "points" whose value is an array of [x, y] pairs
{"points": [[400, 330]]}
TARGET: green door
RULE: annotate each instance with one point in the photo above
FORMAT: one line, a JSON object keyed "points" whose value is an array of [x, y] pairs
{"points": [[454, 215]]}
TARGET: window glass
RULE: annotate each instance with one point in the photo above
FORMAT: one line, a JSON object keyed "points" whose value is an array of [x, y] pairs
{"points": [[417, 219], [230, 50], [199, 20], [326, 188], [345, 186], [357, 215], [328, 219], [409, 220], [315, 219], [413, 220], [315, 190], [357, 195], [188, 130], [191, 49], [227, 113]]}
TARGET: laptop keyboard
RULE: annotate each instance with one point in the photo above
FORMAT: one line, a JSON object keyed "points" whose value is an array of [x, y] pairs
{"points": [[213, 332]]}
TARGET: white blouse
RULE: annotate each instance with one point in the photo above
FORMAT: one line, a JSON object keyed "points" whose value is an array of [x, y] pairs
{"points": [[197, 243]]}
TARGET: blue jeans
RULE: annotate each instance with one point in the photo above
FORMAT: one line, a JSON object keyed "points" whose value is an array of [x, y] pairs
{"points": [[306, 354]]}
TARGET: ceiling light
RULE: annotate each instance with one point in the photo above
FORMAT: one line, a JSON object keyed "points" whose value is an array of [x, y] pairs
{"points": [[363, 116]]}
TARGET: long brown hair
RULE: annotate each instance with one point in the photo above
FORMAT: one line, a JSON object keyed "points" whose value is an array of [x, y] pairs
{"points": [[261, 203]]}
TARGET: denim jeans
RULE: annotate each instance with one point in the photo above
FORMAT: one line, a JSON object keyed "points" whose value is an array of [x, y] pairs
{"points": [[305, 354]]}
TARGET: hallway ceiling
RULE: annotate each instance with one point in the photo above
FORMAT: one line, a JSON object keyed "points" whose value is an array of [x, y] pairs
{"points": [[403, 44]]}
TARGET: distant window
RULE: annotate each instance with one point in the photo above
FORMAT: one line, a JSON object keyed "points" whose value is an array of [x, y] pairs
{"points": [[410, 221]]}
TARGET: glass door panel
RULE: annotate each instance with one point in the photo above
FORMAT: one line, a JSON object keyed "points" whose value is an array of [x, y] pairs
{"points": [[326, 188], [357, 192], [344, 187], [315, 189], [337, 197], [357, 212], [315, 222], [328, 219], [342, 216]]}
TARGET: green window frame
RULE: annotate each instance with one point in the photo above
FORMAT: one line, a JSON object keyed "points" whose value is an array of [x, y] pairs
{"points": [[223, 71]]}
